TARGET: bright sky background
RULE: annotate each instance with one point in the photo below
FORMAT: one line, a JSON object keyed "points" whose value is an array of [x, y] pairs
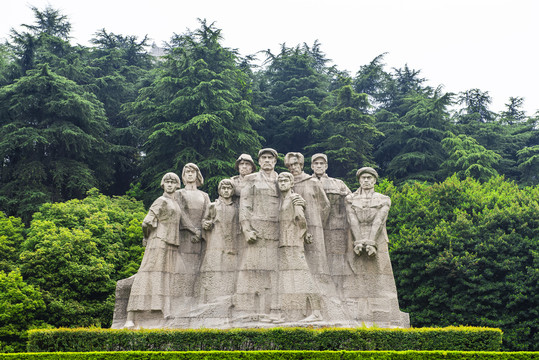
{"points": [[460, 44]]}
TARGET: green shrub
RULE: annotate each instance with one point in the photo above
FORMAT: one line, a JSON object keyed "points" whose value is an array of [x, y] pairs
{"points": [[451, 338], [281, 355]]}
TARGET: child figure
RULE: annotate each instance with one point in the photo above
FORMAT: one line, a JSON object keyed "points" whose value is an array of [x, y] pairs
{"points": [[218, 270]]}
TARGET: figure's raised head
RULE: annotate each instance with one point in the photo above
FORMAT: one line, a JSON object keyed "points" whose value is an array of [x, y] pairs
{"points": [[191, 174]]}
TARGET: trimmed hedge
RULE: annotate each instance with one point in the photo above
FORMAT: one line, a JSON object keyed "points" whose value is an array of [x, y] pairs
{"points": [[95, 339], [281, 355]]}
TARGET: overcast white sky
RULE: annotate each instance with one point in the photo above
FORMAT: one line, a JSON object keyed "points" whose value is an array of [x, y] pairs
{"points": [[460, 44]]}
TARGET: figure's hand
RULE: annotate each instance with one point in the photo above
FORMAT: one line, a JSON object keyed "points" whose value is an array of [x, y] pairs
{"points": [[371, 250], [197, 236], [250, 236], [308, 238], [146, 224], [358, 247], [207, 224], [298, 201], [144, 241]]}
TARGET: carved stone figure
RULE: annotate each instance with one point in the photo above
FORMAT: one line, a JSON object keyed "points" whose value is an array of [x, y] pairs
{"points": [[218, 270], [256, 287], [316, 211], [193, 203], [371, 291], [245, 166], [287, 250], [335, 229], [162, 270], [299, 296]]}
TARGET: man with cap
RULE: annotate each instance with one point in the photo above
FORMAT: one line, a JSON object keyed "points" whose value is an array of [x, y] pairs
{"points": [[245, 166], [367, 213], [335, 229], [373, 285], [256, 287]]}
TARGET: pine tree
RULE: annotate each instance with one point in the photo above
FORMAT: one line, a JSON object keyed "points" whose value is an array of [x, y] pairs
{"points": [[295, 83], [195, 111], [118, 65], [347, 134], [53, 142], [411, 148], [469, 159]]}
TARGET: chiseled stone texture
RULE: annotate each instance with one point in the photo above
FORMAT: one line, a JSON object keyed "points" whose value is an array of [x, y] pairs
{"points": [[286, 250]]}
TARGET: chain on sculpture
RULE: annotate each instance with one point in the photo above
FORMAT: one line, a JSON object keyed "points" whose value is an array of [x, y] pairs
{"points": [[288, 249]]}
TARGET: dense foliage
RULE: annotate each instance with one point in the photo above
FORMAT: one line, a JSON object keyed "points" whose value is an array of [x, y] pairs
{"points": [[281, 354], [330, 339], [464, 240], [468, 253]]}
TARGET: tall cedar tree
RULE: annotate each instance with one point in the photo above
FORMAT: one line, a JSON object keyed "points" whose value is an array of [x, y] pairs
{"points": [[347, 133], [411, 148], [505, 134], [466, 158], [195, 111], [53, 142], [119, 64], [47, 42], [295, 83]]}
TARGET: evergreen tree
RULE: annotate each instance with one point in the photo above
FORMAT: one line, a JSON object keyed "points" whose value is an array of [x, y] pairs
{"points": [[46, 41], [476, 103], [295, 82], [195, 111], [469, 159], [528, 165], [53, 142], [118, 65], [411, 148], [514, 113], [373, 80], [347, 134], [505, 135]]}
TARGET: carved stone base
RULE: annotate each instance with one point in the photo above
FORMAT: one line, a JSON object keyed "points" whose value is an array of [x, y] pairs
{"points": [[222, 314]]}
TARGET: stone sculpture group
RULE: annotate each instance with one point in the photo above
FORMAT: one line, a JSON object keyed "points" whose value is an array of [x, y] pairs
{"points": [[287, 249]]}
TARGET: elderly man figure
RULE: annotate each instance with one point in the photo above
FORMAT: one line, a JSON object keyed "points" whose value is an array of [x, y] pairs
{"points": [[372, 286], [256, 286], [316, 212], [335, 229]]}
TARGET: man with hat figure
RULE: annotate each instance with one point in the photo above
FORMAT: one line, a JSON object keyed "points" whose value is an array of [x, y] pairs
{"points": [[256, 286], [335, 229], [372, 286], [367, 213], [244, 166]]}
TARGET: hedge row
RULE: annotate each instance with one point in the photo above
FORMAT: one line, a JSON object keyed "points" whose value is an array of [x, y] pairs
{"points": [[281, 355], [81, 340]]}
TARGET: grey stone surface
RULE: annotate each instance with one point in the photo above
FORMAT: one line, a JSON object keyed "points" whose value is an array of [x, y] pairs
{"points": [[284, 250], [336, 227], [245, 166]]}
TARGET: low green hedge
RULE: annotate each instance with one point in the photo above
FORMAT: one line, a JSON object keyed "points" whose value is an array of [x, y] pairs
{"points": [[449, 338], [281, 355]]}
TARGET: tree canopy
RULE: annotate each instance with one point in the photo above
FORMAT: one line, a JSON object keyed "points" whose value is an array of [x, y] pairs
{"points": [[84, 130]]}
